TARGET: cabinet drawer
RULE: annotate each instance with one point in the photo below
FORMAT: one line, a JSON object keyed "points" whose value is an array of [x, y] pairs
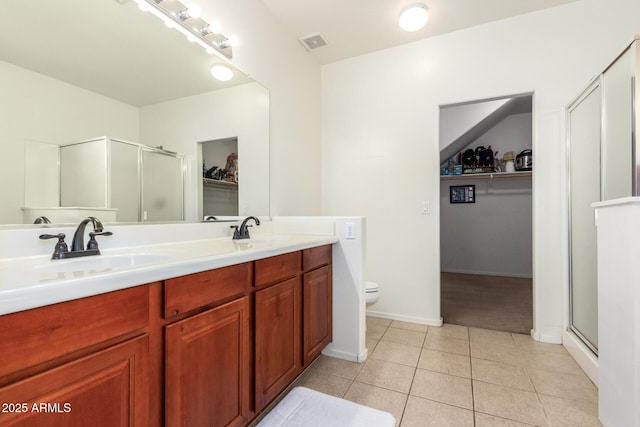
{"points": [[107, 388], [30, 337], [316, 257], [277, 268], [187, 293]]}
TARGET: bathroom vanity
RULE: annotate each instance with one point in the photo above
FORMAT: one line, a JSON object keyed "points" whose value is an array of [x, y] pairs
{"points": [[201, 346]]}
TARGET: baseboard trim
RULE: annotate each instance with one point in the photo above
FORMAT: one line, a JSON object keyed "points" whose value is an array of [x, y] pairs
{"points": [[351, 357], [582, 355], [391, 316]]}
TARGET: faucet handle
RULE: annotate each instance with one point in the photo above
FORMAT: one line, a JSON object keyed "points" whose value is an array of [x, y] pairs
{"points": [[60, 248], [93, 243]]}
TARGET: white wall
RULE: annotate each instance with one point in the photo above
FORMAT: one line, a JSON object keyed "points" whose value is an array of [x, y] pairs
{"points": [[380, 140], [34, 107], [271, 55], [491, 236], [240, 111]]}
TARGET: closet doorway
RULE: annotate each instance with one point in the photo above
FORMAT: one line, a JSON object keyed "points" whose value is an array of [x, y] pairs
{"points": [[486, 213]]}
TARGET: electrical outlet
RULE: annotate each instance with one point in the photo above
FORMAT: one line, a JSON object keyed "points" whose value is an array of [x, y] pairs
{"points": [[350, 230]]}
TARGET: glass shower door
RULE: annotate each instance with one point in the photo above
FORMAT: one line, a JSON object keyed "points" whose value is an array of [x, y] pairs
{"points": [[584, 125]]}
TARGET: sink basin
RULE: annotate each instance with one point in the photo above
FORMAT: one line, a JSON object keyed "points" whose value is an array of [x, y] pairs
{"points": [[100, 262]]}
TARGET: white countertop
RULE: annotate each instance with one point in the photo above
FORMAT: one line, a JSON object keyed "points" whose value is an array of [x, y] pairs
{"points": [[30, 282]]}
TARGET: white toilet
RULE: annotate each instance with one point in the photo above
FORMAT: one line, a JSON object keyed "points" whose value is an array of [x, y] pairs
{"points": [[372, 293]]}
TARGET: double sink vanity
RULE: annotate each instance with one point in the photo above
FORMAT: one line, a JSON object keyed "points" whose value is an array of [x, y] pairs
{"points": [[192, 332]]}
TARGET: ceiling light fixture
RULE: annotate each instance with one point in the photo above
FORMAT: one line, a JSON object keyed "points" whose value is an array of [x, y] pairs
{"points": [[413, 17], [187, 20], [222, 72]]}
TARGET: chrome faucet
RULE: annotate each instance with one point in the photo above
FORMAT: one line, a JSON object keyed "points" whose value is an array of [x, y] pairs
{"points": [[42, 220], [243, 231], [77, 246]]}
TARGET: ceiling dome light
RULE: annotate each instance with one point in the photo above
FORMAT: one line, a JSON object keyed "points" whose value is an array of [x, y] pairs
{"points": [[222, 72], [414, 17]]}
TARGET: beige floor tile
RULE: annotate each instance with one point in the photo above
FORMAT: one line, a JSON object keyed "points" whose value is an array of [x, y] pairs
{"points": [[484, 420], [375, 331], [501, 373], [447, 344], [409, 326], [574, 387], [324, 382], [422, 412], [563, 412], [338, 367], [449, 330], [506, 402], [387, 375], [404, 336], [556, 362], [378, 398], [497, 353], [377, 321], [486, 336], [442, 388], [371, 344], [396, 353], [525, 342], [446, 363]]}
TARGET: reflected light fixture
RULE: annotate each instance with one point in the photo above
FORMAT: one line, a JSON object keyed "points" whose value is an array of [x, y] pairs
{"points": [[187, 20], [192, 12], [222, 72], [413, 17]]}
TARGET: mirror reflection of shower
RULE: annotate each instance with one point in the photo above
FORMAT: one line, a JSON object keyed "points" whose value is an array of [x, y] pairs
{"points": [[220, 177]]}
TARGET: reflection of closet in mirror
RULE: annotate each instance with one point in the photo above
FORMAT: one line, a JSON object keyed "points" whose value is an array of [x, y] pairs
{"points": [[220, 177]]}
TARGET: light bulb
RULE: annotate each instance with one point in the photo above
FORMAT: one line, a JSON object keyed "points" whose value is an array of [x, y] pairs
{"points": [[194, 11], [222, 72], [233, 41], [215, 27], [413, 17]]}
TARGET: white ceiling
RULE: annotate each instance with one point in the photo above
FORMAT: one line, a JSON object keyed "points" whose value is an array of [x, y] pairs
{"points": [[356, 27], [109, 48]]}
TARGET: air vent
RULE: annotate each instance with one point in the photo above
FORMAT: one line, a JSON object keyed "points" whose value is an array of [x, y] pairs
{"points": [[313, 41]]}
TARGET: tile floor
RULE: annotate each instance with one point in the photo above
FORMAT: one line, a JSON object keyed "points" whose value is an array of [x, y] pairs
{"points": [[459, 376]]}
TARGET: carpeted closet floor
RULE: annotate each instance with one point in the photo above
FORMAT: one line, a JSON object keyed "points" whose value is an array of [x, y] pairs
{"points": [[489, 302]]}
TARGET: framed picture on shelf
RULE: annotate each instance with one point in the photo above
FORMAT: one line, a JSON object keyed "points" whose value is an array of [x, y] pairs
{"points": [[462, 194]]}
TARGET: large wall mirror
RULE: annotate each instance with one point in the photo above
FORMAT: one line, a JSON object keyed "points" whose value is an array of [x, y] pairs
{"points": [[73, 71]]}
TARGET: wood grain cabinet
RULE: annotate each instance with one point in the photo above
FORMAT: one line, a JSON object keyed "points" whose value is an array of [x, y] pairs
{"points": [[292, 318], [317, 301], [317, 319], [80, 363], [208, 368], [277, 339], [207, 349], [207, 355]]}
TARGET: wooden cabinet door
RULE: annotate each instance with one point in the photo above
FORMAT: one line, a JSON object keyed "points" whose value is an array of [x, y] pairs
{"points": [[208, 366], [108, 388], [277, 339], [316, 296]]}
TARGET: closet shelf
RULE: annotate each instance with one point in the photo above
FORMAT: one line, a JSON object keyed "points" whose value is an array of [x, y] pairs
{"points": [[219, 183], [489, 175]]}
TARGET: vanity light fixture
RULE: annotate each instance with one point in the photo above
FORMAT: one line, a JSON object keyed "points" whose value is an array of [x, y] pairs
{"points": [[187, 20], [222, 72], [413, 17], [192, 12]]}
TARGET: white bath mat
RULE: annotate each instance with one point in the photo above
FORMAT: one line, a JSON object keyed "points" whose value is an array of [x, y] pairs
{"points": [[303, 407]]}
